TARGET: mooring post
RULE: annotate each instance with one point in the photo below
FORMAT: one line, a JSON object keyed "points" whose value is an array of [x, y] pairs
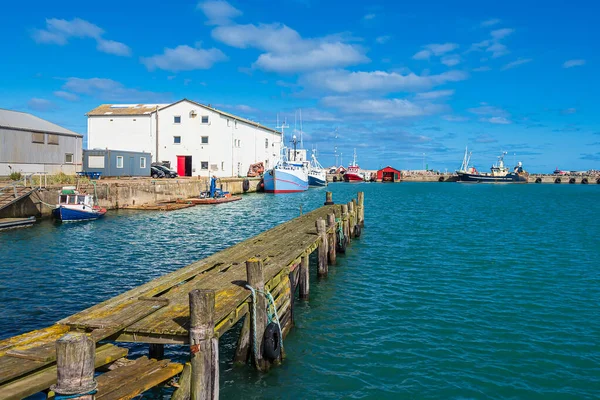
{"points": [[323, 269], [361, 208], [255, 277], [204, 347], [243, 344], [352, 217], [304, 282], [346, 223], [156, 351], [328, 198], [332, 238], [75, 354]]}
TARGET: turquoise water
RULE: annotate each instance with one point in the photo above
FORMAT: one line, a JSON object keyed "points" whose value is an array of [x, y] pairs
{"points": [[453, 291]]}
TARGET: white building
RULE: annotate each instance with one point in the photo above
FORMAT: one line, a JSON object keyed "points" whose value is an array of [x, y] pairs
{"points": [[195, 139], [29, 144]]}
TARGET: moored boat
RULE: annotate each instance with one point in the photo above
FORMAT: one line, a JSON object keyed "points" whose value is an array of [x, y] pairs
{"points": [[287, 176], [499, 172], [316, 173], [74, 206], [353, 173]]}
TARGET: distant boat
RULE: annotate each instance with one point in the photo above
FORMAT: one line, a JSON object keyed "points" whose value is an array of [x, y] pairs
{"points": [[317, 175], [499, 173], [73, 206], [354, 174]]}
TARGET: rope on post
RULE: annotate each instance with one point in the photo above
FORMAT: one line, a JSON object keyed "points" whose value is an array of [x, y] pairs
{"points": [[74, 396], [272, 317]]}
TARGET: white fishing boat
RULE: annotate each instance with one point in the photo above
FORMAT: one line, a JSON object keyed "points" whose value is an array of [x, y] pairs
{"points": [[317, 175]]}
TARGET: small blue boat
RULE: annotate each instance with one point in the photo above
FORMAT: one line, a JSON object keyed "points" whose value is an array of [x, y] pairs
{"points": [[73, 206]]}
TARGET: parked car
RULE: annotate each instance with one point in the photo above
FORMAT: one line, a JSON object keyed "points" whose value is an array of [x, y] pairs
{"points": [[169, 173], [156, 173]]}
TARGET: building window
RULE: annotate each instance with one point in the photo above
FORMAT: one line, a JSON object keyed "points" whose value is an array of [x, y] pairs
{"points": [[119, 161], [52, 139], [37, 138], [228, 122], [69, 158], [176, 139], [142, 162], [204, 139], [204, 165], [205, 119], [177, 119], [266, 143]]}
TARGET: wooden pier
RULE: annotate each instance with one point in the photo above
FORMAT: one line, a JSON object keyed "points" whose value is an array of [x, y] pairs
{"points": [[255, 280]]}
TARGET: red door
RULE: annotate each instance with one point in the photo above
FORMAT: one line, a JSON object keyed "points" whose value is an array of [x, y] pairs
{"points": [[181, 165]]}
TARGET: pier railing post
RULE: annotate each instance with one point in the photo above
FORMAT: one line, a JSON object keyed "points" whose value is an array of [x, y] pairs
{"points": [[332, 238], [255, 278], [243, 344], [323, 269], [328, 198], [204, 347], [75, 357], [361, 209], [304, 282], [352, 218], [346, 223]]}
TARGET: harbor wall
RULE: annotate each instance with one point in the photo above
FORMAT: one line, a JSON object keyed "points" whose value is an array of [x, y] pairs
{"points": [[117, 194]]}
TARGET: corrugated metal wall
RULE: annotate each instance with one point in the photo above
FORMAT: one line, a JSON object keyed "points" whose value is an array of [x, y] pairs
{"points": [[130, 162]]}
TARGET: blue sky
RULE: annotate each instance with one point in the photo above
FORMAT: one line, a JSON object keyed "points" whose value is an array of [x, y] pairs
{"points": [[403, 82]]}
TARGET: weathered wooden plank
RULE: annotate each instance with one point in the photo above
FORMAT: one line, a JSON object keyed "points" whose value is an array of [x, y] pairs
{"points": [[43, 379], [33, 338]]}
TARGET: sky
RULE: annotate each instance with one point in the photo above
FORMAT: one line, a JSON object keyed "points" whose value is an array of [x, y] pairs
{"points": [[406, 84]]}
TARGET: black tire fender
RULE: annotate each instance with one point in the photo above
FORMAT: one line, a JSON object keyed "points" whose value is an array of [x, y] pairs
{"points": [[341, 244], [246, 185], [357, 230], [271, 347]]}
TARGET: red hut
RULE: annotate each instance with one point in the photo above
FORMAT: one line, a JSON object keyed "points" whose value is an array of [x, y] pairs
{"points": [[389, 174]]}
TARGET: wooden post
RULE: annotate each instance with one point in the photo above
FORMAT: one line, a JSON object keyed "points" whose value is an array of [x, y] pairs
{"points": [[332, 241], [304, 282], [322, 232], [156, 351], [243, 344], [328, 198], [361, 208], [75, 354], [346, 223], [255, 277], [204, 347], [352, 218]]}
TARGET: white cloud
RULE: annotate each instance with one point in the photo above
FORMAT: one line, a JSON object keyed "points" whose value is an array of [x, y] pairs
{"points": [[435, 49], [501, 33], [41, 105], [218, 12], [436, 94], [573, 63], [485, 109], [286, 51], [497, 50], [386, 108], [422, 55], [497, 120], [451, 60], [342, 81], [382, 39], [112, 47], [490, 22], [59, 31], [110, 90], [482, 69], [455, 118], [516, 63], [369, 16], [184, 58], [66, 95]]}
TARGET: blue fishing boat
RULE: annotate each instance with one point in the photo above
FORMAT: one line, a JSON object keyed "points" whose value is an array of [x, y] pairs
{"points": [[73, 206], [499, 173], [316, 173]]}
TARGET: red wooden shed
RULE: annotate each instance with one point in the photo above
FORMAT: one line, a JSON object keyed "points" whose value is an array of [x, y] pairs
{"points": [[389, 174]]}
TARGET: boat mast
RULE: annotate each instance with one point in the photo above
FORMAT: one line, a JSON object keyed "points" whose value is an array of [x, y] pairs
{"points": [[283, 146]]}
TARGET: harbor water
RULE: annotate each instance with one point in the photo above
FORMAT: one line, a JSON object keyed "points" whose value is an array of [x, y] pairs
{"points": [[454, 291]]}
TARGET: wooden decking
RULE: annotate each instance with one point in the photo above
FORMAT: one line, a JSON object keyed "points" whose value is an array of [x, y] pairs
{"points": [[158, 312]]}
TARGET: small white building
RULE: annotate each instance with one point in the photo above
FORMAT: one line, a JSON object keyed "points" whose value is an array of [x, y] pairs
{"points": [[29, 144], [195, 139]]}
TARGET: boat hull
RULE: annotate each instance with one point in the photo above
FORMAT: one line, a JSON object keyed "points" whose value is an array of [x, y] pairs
{"points": [[285, 180], [67, 214], [317, 180], [350, 177], [210, 200], [478, 178]]}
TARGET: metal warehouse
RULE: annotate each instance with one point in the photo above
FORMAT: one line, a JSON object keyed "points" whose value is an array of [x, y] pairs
{"points": [[29, 144], [116, 162]]}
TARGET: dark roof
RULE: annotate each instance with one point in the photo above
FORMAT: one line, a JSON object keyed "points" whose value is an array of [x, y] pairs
{"points": [[23, 121]]}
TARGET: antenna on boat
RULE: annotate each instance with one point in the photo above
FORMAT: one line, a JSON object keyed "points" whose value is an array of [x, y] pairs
{"points": [[301, 132], [282, 127]]}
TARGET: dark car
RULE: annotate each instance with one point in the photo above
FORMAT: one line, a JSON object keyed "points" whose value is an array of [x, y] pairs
{"points": [[156, 173], [169, 173]]}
